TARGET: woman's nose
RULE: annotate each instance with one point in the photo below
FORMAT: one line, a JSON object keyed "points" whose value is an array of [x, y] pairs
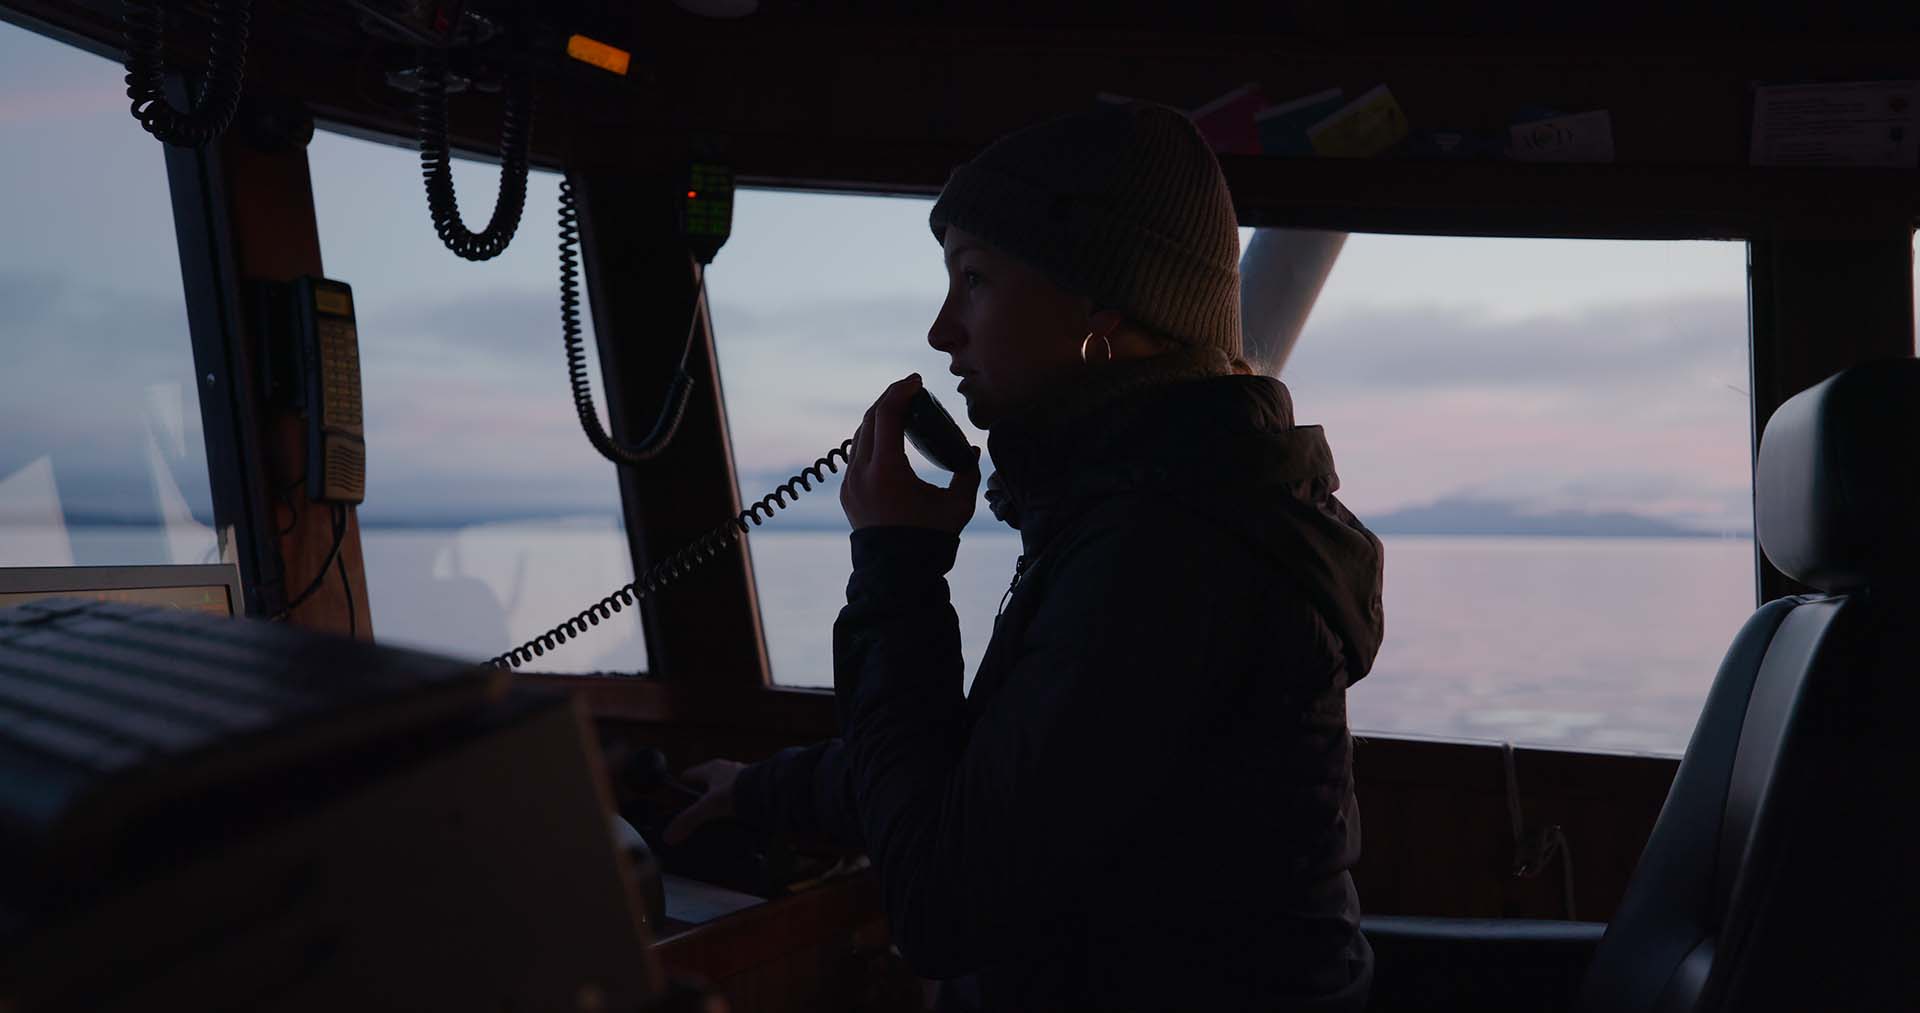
{"points": [[942, 335]]}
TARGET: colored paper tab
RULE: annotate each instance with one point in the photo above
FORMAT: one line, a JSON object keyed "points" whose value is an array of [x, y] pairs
{"points": [[1282, 129], [1227, 122], [1364, 128]]}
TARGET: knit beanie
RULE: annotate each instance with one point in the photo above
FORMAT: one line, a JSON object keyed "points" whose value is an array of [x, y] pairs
{"points": [[1123, 204]]}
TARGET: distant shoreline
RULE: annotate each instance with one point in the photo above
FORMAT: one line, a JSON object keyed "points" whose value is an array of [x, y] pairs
{"points": [[1395, 524], [774, 527]]}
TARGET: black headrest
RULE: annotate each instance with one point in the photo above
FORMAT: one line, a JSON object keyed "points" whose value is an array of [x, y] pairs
{"points": [[1837, 489]]}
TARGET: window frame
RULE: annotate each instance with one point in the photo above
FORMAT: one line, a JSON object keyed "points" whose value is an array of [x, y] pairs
{"points": [[1445, 866], [230, 451], [1790, 346]]}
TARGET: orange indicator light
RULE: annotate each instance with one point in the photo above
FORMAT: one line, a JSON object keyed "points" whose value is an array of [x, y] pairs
{"points": [[599, 54], [691, 194]]}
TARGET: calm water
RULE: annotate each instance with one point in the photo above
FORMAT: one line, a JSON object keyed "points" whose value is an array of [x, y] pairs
{"points": [[1597, 643], [1592, 643]]}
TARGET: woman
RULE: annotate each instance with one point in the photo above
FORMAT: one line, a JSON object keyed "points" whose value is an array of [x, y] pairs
{"points": [[1146, 800]]}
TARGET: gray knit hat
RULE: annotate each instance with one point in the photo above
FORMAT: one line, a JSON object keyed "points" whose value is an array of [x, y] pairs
{"points": [[1124, 204]]}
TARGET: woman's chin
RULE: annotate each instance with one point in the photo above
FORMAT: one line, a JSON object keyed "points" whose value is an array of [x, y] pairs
{"points": [[977, 414]]}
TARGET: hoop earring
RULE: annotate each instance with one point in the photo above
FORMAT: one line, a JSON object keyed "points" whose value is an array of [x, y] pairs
{"points": [[1087, 343]]}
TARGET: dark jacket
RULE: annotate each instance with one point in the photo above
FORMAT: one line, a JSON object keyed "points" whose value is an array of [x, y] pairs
{"points": [[1146, 799]]}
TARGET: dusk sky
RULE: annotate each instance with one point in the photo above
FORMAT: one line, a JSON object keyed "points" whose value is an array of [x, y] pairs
{"points": [[1553, 374]]}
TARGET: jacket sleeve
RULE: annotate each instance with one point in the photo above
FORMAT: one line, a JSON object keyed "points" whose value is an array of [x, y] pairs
{"points": [[801, 791], [987, 841], [808, 790]]}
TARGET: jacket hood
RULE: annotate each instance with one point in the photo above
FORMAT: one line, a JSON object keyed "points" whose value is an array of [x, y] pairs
{"points": [[1223, 445]]}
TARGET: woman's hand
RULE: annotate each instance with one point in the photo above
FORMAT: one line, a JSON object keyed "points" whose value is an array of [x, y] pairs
{"points": [[881, 488], [716, 777]]}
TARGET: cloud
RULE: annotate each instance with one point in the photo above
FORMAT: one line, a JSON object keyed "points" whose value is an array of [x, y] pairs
{"points": [[1611, 408], [505, 326], [28, 299], [42, 80], [836, 326], [1667, 341], [468, 408], [799, 377], [87, 377], [57, 102]]}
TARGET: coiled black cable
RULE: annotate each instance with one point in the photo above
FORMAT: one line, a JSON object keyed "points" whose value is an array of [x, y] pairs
{"points": [[436, 156], [678, 388], [145, 23], [682, 562]]}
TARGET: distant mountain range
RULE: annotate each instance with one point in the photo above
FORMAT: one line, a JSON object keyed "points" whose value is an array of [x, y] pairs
{"points": [[1468, 516], [1452, 516]]}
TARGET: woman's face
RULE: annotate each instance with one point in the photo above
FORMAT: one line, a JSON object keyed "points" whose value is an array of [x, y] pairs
{"points": [[1010, 333]]}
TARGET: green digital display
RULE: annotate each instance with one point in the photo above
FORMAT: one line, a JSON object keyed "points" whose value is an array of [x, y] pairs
{"points": [[706, 217]]}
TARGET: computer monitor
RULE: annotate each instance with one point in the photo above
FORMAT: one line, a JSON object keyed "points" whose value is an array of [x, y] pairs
{"points": [[212, 588]]}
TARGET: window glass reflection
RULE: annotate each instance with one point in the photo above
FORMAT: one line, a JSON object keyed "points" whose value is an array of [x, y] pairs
{"points": [[102, 461], [1550, 436], [489, 518]]}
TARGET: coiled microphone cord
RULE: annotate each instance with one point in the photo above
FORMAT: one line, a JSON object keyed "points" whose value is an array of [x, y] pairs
{"points": [[207, 118], [436, 157], [678, 388], [682, 562]]}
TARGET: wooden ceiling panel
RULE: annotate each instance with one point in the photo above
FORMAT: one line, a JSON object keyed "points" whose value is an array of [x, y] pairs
{"points": [[864, 94]]}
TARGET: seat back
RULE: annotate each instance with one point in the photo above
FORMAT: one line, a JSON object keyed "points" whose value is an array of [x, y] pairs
{"points": [[1781, 873]]}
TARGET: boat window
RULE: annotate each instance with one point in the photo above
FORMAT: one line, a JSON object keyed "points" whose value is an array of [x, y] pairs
{"points": [[103, 460], [1552, 439], [819, 301], [489, 518], [1550, 436]]}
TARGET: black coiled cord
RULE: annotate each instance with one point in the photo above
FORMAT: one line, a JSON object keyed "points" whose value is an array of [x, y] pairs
{"points": [[682, 562], [436, 158], [145, 23], [681, 385]]}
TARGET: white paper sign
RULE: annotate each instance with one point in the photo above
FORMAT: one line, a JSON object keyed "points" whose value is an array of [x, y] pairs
{"points": [[1872, 123], [1582, 137]]}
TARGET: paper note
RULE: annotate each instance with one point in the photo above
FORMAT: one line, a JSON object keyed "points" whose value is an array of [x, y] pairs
{"points": [[1582, 137], [1871, 123], [1363, 128], [1283, 128], [689, 900], [1227, 122]]}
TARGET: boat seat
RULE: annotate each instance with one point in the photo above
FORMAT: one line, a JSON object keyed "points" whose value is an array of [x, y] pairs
{"points": [[1488, 965], [1781, 873]]}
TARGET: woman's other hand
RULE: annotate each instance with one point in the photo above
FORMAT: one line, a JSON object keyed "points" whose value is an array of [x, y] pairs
{"points": [[881, 489], [716, 778]]}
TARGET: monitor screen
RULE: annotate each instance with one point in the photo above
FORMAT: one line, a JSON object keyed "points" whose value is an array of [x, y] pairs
{"points": [[213, 589]]}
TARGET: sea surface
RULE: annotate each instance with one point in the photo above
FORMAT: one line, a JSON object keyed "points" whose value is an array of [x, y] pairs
{"points": [[1589, 643]]}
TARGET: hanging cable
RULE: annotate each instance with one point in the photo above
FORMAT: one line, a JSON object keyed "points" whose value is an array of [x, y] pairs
{"points": [[145, 23], [436, 155], [320, 577], [340, 561], [678, 388], [680, 563], [1531, 856]]}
